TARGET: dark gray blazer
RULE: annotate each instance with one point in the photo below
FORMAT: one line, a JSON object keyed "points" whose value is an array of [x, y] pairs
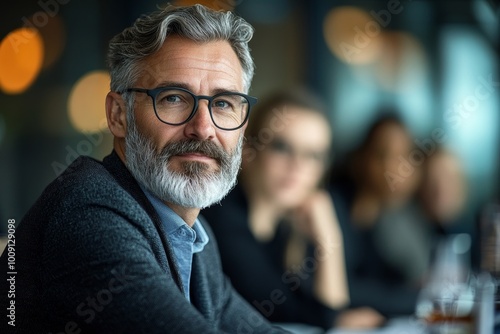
{"points": [[92, 257]]}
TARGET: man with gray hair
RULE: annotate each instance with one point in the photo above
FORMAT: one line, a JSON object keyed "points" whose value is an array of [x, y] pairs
{"points": [[117, 246]]}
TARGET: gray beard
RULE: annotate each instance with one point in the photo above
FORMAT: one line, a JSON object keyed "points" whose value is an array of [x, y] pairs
{"points": [[196, 186]]}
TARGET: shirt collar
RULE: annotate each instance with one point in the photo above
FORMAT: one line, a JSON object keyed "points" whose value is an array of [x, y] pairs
{"points": [[201, 236], [172, 221]]}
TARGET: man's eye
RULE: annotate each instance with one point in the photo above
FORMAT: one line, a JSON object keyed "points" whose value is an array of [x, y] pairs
{"points": [[172, 98], [221, 104]]}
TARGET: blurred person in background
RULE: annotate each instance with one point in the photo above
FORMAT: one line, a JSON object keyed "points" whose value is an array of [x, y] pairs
{"points": [[387, 253], [443, 193], [280, 241]]}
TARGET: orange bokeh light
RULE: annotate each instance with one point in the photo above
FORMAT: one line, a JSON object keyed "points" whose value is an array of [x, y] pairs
{"points": [[86, 102], [21, 58]]}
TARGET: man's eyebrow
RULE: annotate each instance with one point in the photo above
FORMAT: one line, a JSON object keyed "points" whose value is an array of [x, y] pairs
{"points": [[186, 86], [225, 90], [173, 84]]}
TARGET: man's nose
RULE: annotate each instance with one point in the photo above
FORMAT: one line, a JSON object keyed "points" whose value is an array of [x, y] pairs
{"points": [[201, 126]]}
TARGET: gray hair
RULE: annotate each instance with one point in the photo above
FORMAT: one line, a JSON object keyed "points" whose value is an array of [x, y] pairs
{"points": [[198, 23]]}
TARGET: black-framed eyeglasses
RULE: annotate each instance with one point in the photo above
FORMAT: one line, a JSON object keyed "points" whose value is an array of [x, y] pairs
{"points": [[177, 106]]}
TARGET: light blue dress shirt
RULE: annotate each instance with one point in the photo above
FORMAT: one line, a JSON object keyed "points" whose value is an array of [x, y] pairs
{"points": [[185, 240]]}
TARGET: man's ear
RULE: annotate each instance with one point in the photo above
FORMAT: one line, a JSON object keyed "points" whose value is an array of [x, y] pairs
{"points": [[116, 114]]}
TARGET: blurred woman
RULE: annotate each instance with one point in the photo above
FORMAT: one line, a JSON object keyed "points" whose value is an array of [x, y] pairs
{"points": [[280, 241]]}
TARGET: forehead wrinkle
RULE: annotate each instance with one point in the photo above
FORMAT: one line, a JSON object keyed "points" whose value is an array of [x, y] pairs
{"points": [[218, 61], [223, 82], [220, 65]]}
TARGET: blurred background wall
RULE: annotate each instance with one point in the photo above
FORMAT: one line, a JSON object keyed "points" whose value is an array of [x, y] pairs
{"points": [[435, 62]]}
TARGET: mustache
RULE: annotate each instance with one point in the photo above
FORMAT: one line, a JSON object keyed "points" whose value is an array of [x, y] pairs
{"points": [[208, 148]]}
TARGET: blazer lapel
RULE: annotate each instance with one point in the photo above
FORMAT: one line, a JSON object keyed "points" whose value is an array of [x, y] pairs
{"points": [[199, 288], [120, 172]]}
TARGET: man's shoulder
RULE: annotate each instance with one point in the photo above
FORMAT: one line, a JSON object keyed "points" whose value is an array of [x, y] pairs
{"points": [[82, 168], [79, 200], [85, 180]]}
